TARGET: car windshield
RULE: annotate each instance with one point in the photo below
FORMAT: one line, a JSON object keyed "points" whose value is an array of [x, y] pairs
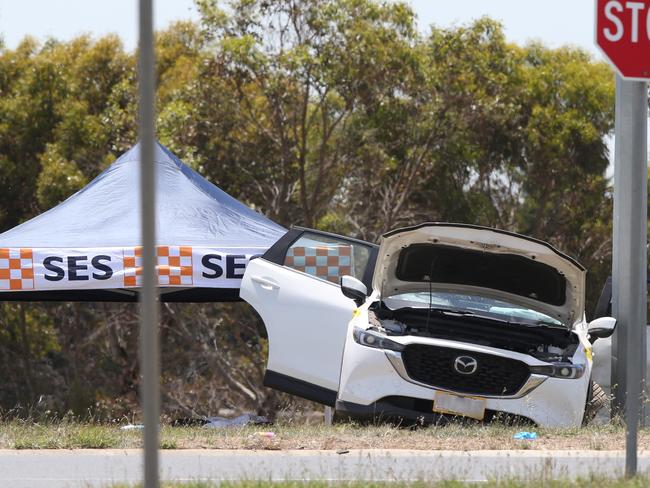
{"points": [[470, 303]]}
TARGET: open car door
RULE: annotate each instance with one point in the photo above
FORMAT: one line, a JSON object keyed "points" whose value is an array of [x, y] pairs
{"points": [[294, 287]]}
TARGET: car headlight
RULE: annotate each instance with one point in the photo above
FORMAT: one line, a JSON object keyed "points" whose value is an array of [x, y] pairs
{"points": [[560, 370], [375, 340]]}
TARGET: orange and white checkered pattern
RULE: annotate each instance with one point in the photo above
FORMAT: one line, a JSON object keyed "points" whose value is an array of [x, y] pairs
{"points": [[16, 269], [174, 266], [327, 262], [133, 266]]}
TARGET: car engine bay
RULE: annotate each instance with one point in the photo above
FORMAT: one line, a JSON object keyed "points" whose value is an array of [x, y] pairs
{"points": [[543, 342]]}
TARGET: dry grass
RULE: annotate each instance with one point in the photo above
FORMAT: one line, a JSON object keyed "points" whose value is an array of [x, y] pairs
{"points": [[70, 435], [581, 483]]}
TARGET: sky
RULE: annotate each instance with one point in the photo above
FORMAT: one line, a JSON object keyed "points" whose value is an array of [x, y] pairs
{"points": [[553, 22]]}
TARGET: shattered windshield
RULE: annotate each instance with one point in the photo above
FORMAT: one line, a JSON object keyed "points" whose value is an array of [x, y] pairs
{"points": [[470, 303]]}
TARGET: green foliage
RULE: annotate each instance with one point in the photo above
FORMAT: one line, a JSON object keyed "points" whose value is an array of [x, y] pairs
{"points": [[298, 73], [335, 114], [58, 178]]}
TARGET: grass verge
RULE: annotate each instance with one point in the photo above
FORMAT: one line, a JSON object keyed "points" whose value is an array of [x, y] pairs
{"points": [[71, 435], [639, 482]]}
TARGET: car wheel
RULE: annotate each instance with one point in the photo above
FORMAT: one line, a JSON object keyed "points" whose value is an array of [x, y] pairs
{"points": [[596, 399]]}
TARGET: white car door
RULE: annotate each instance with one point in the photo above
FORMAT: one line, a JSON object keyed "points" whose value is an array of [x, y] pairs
{"points": [[294, 288]]}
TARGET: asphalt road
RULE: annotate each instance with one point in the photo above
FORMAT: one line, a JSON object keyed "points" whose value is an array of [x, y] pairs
{"points": [[84, 468]]}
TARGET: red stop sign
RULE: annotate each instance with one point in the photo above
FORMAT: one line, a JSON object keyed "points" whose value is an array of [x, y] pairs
{"points": [[623, 35]]}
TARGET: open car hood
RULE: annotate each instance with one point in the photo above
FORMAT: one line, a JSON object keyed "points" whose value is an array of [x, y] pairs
{"points": [[488, 262]]}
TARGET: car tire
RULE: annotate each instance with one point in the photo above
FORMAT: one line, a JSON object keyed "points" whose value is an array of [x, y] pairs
{"points": [[596, 400]]}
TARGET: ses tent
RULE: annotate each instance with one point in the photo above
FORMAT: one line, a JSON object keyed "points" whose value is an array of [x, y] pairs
{"points": [[88, 247]]}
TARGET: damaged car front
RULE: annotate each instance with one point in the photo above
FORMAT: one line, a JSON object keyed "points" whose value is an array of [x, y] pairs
{"points": [[472, 322]]}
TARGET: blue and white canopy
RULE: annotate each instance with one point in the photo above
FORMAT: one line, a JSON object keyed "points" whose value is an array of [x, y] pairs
{"points": [[87, 247]]}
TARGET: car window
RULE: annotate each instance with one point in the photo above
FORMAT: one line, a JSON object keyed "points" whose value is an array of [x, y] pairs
{"points": [[327, 258], [471, 303]]}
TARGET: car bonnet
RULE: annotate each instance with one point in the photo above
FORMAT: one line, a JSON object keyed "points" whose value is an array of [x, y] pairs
{"points": [[562, 296]]}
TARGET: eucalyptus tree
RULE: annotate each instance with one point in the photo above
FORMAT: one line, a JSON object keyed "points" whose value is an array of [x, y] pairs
{"points": [[299, 71]]}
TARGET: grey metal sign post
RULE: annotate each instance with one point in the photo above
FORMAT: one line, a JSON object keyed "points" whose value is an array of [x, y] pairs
{"points": [[620, 35], [629, 262], [149, 346]]}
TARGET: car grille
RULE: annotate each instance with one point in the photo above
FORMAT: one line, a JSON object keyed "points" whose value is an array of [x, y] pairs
{"points": [[494, 375]]}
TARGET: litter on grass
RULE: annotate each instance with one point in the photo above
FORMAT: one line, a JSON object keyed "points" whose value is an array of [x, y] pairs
{"points": [[242, 420], [212, 422], [218, 422], [531, 436], [268, 435]]}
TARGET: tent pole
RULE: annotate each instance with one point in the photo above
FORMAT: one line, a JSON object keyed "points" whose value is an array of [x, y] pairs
{"points": [[149, 341]]}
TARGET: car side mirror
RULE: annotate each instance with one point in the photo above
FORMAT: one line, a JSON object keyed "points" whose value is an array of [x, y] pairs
{"points": [[354, 289], [600, 328]]}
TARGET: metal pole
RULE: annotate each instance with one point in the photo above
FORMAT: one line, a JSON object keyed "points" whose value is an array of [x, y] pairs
{"points": [[617, 381], [329, 416], [630, 258], [149, 346]]}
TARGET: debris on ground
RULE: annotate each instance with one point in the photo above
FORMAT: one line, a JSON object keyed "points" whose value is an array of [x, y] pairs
{"points": [[242, 420], [219, 422], [268, 435], [531, 436]]}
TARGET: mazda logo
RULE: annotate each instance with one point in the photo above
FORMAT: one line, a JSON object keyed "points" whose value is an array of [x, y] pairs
{"points": [[465, 365]]}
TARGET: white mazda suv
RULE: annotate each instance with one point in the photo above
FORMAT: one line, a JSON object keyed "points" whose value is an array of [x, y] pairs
{"points": [[460, 320]]}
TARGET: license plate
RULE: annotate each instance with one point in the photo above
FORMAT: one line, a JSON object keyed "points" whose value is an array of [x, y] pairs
{"points": [[459, 405]]}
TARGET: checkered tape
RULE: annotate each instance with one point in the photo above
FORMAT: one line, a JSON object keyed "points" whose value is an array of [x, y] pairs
{"points": [[16, 269], [328, 262], [174, 266]]}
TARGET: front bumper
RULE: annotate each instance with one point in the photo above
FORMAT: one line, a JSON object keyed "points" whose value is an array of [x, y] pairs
{"points": [[371, 383], [411, 410], [395, 358]]}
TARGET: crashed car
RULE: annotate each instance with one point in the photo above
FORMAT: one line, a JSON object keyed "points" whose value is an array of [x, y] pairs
{"points": [[439, 320]]}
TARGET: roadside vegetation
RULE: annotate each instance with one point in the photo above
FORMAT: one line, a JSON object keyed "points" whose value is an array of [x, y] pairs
{"points": [[342, 115], [640, 482], [340, 438]]}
